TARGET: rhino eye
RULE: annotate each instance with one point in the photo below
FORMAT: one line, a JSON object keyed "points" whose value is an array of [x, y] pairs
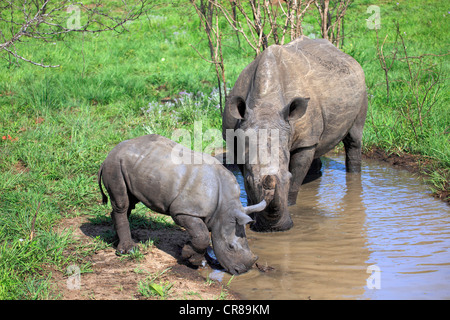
{"points": [[230, 246]]}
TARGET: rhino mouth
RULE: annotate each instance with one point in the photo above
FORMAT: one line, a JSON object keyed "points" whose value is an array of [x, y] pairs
{"points": [[234, 269], [270, 223], [231, 256], [274, 208], [274, 218], [238, 269]]}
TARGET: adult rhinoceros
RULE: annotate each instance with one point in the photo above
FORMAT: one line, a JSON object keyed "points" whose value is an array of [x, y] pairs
{"points": [[313, 96]]}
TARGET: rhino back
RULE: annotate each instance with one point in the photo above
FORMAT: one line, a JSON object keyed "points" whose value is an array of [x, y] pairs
{"points": [[163, 185], [307, 68], [335, 83]]}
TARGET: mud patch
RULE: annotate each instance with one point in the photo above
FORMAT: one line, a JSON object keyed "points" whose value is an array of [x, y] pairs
{"points": [[416, 164], [21, 167], [412, 163], [111, 277]]}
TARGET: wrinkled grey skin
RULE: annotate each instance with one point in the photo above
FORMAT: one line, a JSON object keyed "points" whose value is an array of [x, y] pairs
{"points": [[202, 198], [315, 95]]}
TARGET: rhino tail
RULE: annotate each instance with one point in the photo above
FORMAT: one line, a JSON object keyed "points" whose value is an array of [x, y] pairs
{"points": [[99, 180]]}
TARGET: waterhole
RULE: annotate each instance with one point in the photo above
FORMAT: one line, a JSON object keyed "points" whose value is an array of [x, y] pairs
{"points": [[377, 235]]}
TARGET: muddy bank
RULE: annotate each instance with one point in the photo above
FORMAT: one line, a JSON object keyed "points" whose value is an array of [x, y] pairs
{"points": [[110, 277], [416, 164]]}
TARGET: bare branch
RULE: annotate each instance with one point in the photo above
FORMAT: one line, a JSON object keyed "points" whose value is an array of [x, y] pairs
{"points": [[206, 15], [44, 20], [30, 61], [201, 56], [331, 18]]}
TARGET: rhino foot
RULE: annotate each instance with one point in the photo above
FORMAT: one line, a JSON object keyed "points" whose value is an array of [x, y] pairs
{"points": [[292, 198], [190, 254], [125, 247]]}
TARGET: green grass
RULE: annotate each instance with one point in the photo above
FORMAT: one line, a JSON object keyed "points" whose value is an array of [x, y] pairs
{"points": [[63, 122], [150, 288], [394, 126]]}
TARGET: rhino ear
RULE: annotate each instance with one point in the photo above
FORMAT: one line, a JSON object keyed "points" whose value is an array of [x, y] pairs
{"points": [[237, 107], [243, 218], [296, 109]]}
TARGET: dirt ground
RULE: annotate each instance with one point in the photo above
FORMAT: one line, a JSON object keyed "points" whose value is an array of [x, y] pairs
{"points": [[116, 278]]}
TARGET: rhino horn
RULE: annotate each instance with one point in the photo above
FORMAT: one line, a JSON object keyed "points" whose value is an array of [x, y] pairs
{"points": [[255, 208]]}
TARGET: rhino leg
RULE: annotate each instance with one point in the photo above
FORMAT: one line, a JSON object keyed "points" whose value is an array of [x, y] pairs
{"points": [[299, 165], [122, 207], [195, 249], [352, 153], [353, 141], [314, 172]]}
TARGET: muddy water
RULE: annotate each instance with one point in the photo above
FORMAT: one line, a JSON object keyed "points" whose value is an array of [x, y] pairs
{"points": [[378, 235]]}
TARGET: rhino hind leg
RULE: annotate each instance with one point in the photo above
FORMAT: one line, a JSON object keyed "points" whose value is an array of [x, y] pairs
{"points": [[122, 205], [352, 153], [194, 250], [353, 142], [122, 226]]}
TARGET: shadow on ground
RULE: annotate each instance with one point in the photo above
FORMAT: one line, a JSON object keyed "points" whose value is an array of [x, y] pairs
{"points": [[169, 239]]}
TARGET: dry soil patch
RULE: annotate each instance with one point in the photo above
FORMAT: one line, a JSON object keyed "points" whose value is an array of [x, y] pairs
{"points": [[113, 278]]}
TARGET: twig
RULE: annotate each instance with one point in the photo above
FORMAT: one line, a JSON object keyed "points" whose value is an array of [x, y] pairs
{"points": [[201, 56], [215, 43], [382, 60], [51, 14], [32, 62], [426, 55]]}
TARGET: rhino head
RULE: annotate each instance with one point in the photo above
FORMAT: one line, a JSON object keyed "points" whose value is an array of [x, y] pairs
{"points": [[229, 238], [266, 180]]}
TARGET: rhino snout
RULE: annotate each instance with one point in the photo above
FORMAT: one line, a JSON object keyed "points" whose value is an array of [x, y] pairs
{"points": [[236, 258], [244, 267]]}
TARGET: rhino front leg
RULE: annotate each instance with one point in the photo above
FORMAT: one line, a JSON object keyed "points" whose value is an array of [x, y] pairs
{"points": [[299, 164], [195, 249]]}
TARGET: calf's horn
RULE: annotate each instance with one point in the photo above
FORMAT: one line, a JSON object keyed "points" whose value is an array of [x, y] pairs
{"points": [[256, 208]]}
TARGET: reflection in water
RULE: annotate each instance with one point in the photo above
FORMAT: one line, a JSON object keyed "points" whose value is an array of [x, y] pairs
{"points": [[344, 223]]}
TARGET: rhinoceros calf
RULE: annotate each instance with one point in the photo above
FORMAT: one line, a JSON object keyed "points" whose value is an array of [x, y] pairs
{"points": [[314, 96], [202, 198]]}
